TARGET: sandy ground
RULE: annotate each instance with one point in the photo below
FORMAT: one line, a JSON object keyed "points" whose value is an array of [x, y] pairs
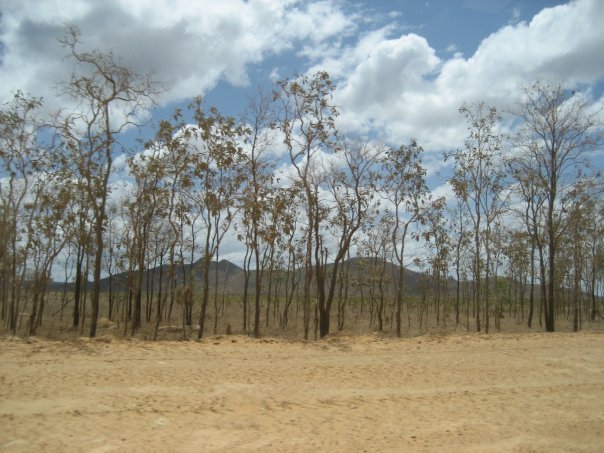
{"points": [[527, 392]]}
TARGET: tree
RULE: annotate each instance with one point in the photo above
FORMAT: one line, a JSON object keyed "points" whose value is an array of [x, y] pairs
{"points": [[352, 188], [524, 169], [291, 246], [516, 244], [460, 241], [405, 188], [577, 245], [172, 142], [377, 247], [34, 209], [477, 180], [144, 206], [595, 265], [258, 200], [558, 127], [219, 173], [19, 158], [48, 223], [110, 98], [440, 245], [306, 118]]}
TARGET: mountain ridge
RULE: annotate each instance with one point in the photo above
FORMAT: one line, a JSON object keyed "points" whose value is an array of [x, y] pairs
{"points": [[231, 276]]}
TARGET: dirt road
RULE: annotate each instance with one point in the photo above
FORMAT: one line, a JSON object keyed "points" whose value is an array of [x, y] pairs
{"points": [[527, 392]]}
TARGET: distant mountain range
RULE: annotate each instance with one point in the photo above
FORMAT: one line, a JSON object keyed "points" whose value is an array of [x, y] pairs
{"points": [[231, 278]]}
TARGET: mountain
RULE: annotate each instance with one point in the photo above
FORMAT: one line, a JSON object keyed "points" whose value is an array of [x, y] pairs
{"points": [[231, 278], [362, 266], [182, 273]]}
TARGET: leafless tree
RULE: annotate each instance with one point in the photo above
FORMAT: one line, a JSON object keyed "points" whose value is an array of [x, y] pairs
{"points": [[109, 98], [558, 127]]}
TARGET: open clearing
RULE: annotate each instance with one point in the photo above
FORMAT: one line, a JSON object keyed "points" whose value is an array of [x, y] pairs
{"points": [[502, 392]]}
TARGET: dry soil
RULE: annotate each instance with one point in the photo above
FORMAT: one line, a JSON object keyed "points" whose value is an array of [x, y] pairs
{"points": [[522, 392]]}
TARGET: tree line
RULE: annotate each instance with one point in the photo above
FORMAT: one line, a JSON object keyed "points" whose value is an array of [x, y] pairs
{"points": [[521, 236]]}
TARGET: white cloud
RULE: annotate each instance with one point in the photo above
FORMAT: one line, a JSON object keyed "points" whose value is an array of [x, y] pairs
{"points": [[392, 66], [187, 46], [274, 75], [401, 89], [340, 61], [318, 21], [396, 86]]}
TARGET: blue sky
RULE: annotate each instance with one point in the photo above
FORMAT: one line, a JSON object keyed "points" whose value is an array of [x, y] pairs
{"points": [[402, 67], [449, 26], [431, 55]]}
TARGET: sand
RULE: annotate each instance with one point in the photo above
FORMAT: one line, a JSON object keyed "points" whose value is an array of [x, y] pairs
{"points": [[502, 392]]}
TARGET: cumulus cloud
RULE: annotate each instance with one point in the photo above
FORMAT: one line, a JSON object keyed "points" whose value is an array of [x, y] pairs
{"points": [[186, 46], [400, 88], [391, 66], [390, 84]]}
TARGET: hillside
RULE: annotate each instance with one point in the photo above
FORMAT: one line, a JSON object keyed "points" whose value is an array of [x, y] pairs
{"points": [[231, 278]]}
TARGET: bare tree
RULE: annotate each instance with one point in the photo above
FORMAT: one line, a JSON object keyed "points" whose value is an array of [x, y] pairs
{"points": [[352, 188], [406, 190], [18, 157], [109, 97], [144, 206], [219, 174], [558, 128], [595, 265], [377, 247], [48, 231], [34, 210], [478, 181], [530, 211], [258, 200], [460, 238], [439, 259], [306, 118]]}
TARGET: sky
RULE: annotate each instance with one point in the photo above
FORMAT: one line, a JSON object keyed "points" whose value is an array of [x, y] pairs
{"points": [[402, 67]]}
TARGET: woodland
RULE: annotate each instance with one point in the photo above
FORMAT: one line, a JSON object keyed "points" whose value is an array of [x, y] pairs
{"points": [[352, 240]]}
